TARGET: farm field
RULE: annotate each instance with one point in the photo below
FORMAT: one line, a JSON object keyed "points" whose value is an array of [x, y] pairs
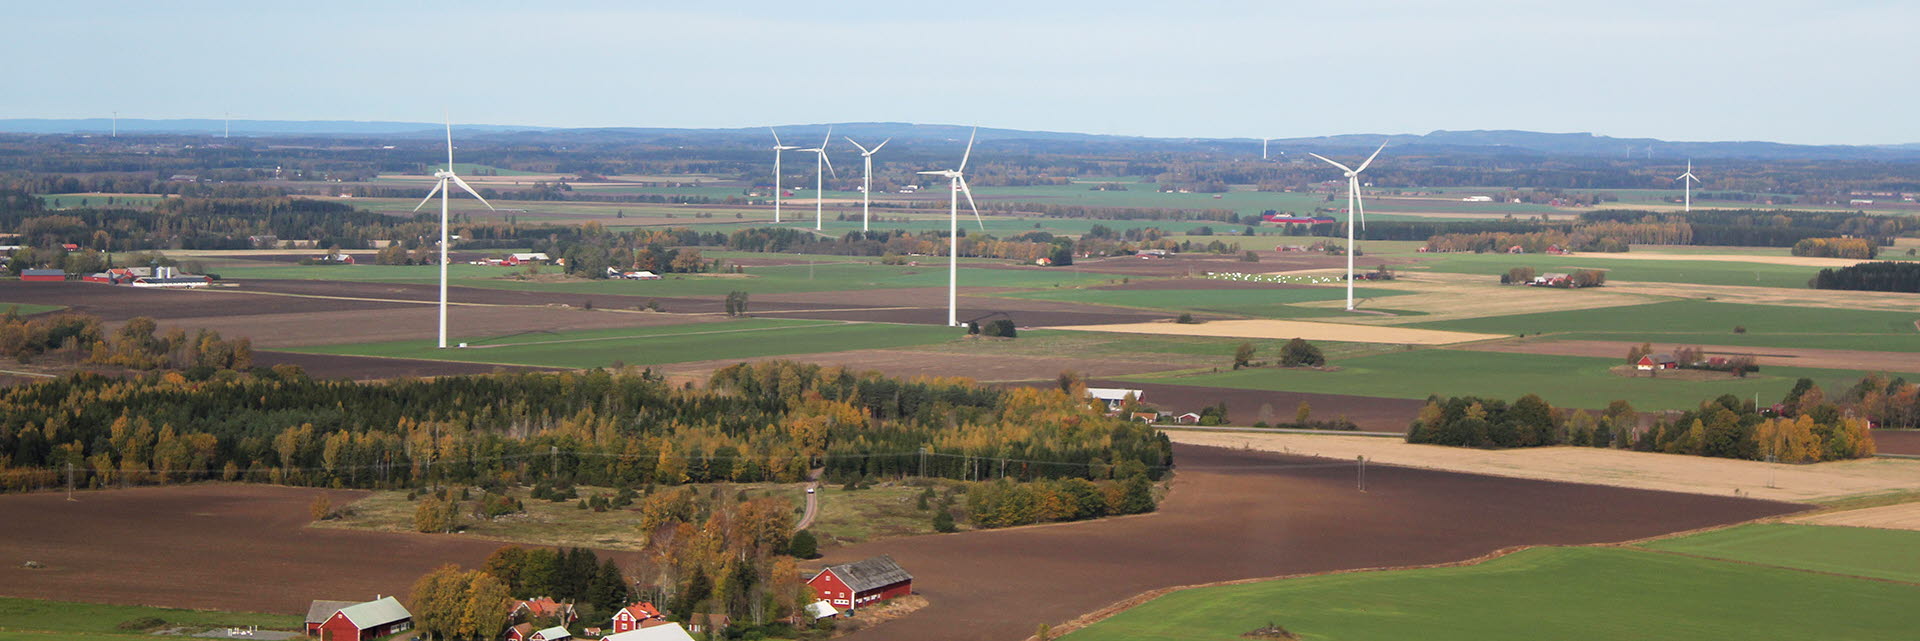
{"points": [[656, 345], [1705, 322], [1569, 593], [28, 309], [35, 619], [1827, 483], [181, 546], [1273, 302], [1284, 329], [757, 280], [1575, 381], [1854, 551], [1702, 272]]}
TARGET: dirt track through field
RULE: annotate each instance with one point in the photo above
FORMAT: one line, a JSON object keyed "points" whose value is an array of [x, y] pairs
{"points": [[1238, 514]]}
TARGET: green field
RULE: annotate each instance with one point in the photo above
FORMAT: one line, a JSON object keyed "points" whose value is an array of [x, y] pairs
{"points": [[1264, 303], [1564, 381], [741, 339], [1663, 271], [1566, 594], [1857, 551], [1712, 323], [34, 619], [1177, 351], [28, 309]]}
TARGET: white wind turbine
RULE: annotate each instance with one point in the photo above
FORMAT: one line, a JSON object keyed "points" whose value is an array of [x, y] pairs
{"points": [[445, 189], [866, 189], [820, 177], [777, 148], [957, 183], [1354, 209], [1689, 179]]}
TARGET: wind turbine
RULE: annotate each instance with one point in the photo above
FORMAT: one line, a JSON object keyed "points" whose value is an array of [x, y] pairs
{"points": [[866, 188], [1689, 179], [820, 177], [1263, 148], [445, 189], [777, 148], [957, 183], [1354, 209]]}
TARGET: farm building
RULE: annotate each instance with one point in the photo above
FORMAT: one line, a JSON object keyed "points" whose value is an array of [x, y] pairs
{"points": [[1114, 397], [177, 281], [666, 631], [1189, 418], [544, 607], [377, 618], [821, 610], [1551, 280], [636, 616], [319, 611], [1658, 361], [862, 582], [525, 632], [708, 624], [43, 275], [1289, 219], [524, 258]]}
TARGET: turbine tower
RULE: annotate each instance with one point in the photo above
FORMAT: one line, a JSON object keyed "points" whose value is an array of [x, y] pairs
{"points": [[777, 148], [820, 177], [866, 188], [957, 184], [445, 189], [1689, 179], [1263, 148], [1354, 209]]}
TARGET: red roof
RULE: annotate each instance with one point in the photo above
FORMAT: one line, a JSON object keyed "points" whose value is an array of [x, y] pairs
{"points": [[642, 611]]}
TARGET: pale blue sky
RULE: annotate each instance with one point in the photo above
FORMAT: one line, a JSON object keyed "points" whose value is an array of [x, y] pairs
{"points": [[1790, 71]]}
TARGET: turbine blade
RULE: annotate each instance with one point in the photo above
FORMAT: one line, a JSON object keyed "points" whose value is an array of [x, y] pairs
{"points": [[969, 153], [1359, 203], [430, 195], [1329, 161], [776, 137], [932, 173], [463, 185], [876, 148], [829, 161], [1376, 153], [856, 145], [828, 138], [976, 209], [449, 144]]}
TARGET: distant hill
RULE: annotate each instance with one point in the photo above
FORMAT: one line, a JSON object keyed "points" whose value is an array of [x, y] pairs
{"points": [[1492, 142]]}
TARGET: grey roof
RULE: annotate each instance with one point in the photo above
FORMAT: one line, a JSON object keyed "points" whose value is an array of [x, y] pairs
{"points": [[555, 632], [320, 611], [376, 613], [869, 574], [43, 272]]}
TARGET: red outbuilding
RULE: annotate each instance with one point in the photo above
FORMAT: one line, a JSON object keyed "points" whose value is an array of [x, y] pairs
{"points": [[368, 620], [862, 583], [43, 275], [636, 616]]}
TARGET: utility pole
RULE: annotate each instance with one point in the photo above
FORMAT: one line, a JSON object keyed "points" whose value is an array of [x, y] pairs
{"points": [[553, 454], [69, 480], [923, 461]]}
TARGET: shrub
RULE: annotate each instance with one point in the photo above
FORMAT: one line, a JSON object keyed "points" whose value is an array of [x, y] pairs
{"points": [[142, 624], [943, 522], [1300, 353], [1185, 319], [803, 545]]}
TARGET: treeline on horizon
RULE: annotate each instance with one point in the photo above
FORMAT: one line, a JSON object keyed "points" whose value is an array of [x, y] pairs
{"points": [[765, 421], [1805, 426]]}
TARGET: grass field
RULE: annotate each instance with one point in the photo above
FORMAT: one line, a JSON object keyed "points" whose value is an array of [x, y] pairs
{"points": [[1565, 381], [37, 620], [560, 524], [741, 339], [1857, 551], [1712, 323], [758, 280], [28, 309], [1667, 271], [885, 510], [1568, 594], [1189, 351], [1261, 303]]}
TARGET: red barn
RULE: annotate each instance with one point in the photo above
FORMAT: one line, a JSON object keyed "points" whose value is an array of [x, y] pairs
{"points": [[862, 583], [1658, 361], [368, 620], [319, 611], [43, 275], [636, 616]]}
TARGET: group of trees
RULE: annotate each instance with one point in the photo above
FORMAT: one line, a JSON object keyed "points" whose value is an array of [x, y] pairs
{"points": [[80, 338], [1858, 248], [1696, 358], [1883, 276], [597, 587], [1004, 503], [1802, 427], [765, 421]]}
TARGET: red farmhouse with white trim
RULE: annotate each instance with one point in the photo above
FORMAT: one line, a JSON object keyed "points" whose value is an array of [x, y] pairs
{"points": [[862, 583], [368, 620], [636, 616]]}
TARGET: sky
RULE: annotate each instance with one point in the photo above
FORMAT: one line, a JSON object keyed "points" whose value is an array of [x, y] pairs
{"points": [[1835, 72]]}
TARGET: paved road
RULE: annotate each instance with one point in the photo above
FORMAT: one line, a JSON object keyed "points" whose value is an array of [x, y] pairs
{"points": [[813, 499]]}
